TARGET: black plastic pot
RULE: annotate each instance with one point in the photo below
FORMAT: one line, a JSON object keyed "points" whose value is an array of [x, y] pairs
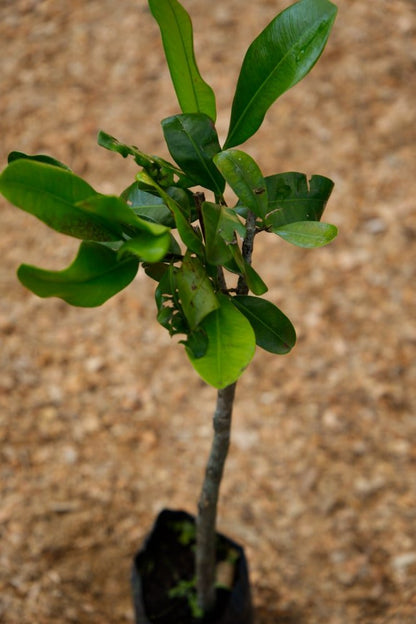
{"points": [[166, 558]]}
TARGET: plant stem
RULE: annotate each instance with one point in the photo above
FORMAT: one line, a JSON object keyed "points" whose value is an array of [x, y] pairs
{"points": [[205, 558], [247, 249], [207, 505]]}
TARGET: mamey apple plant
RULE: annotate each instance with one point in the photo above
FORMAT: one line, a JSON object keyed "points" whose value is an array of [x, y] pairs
{"points": [[195, 247]]}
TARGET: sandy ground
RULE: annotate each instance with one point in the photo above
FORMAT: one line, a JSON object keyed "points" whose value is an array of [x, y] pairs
{"points": [[103, 423]]}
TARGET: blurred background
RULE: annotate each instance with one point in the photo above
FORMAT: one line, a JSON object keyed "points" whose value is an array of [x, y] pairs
{"points": [[102, 421]]}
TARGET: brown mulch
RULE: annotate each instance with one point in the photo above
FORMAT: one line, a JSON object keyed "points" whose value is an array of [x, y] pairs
{"points": [[103, 423]]}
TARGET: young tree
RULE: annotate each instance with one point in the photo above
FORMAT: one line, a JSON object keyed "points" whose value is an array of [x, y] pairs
{"points": [[191, 242]]}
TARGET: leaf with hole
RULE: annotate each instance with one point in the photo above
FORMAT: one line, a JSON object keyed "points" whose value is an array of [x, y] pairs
{"points": [[170, 314], [292, 197]]}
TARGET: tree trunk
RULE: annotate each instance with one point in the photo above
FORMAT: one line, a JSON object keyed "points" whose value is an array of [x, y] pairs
{"points": [[207, 505]]}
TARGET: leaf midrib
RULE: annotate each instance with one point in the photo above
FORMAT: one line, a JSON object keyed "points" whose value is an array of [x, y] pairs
{"points": [[261, 322], [276, 68], [190, 74], [61, 200], [202, 160]]}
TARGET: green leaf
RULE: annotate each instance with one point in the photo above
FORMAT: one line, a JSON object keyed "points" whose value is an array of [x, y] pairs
{"points": [[49, 160], [156, 270], [146, 247], [190, 237], [278, 58], [252, 278], [119, 216], [151, 206], [292, 198], [231, 345], [136, 196], [193, 141], [94, 276], [156, 213], [193, 93], [196, 343], [220, 225], [185, 199], [170, 314], [195, 290], [162, 170], [114, 145], [245, 178], [274, 331], [146, 205], [51, 194], [307, 234]]}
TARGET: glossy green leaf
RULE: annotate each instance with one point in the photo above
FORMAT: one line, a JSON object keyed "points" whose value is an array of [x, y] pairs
{"points": [[245, 178], [293, 198], [49, 160], [193, 142], [51, 194], [146, 247], [278, 58], [193, 93], [220, 225], [95, 275], [196, 343], [185, 199], [274, 331], [307, 234], [231, 345], [135, 196], [149, 206], [119, 215], [156, 270], [195, 290], [156, 213]]}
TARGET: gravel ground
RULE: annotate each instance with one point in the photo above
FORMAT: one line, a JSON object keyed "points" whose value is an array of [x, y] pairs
{"points": [[102, 422]]}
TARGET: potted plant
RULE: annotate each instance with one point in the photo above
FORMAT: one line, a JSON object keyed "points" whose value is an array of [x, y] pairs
{"points": [[198, 250]]}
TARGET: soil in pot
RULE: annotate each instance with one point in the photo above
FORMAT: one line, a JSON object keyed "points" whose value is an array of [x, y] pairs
{"points": [[164, 576]]}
